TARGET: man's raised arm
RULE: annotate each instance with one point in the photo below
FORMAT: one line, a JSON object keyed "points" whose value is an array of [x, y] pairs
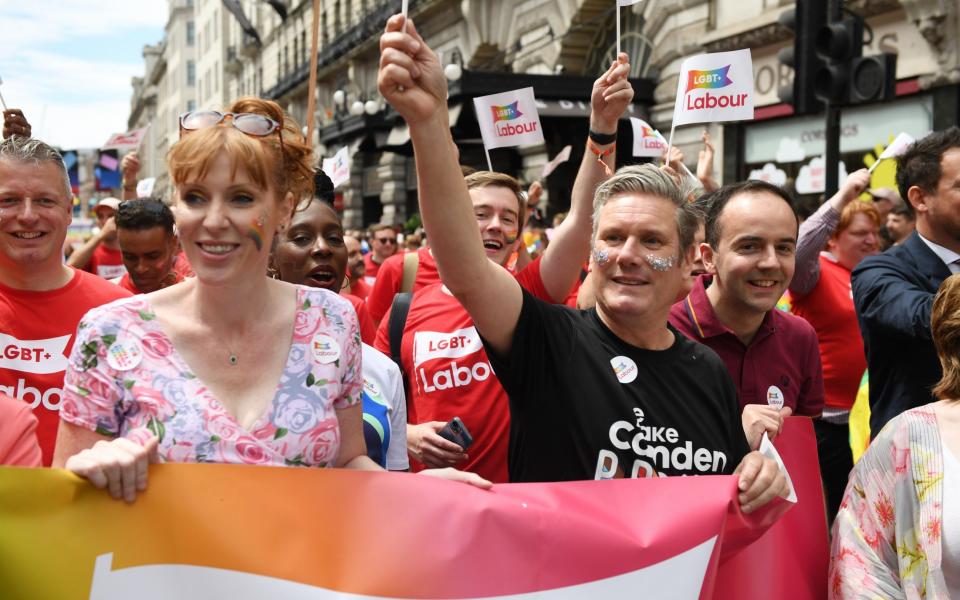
{"points": [[412, 81], [570, 245]]}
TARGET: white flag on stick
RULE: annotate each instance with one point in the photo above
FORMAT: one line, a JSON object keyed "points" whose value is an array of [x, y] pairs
{"points": [[647, 141], [509, 119], [126, 141], [145, 187], [715, 87], [897, 147], [338, 167], [558, 160]]}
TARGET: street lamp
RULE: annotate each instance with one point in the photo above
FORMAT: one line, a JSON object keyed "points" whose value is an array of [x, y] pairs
{"points": [[356, 109], [371, 107], [339, 97]]}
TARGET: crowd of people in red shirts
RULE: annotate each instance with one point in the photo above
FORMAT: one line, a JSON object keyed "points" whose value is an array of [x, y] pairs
{"points": [[239, 322]]}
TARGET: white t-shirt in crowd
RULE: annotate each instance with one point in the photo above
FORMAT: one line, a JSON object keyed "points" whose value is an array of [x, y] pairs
{"points": [[383, 383]]}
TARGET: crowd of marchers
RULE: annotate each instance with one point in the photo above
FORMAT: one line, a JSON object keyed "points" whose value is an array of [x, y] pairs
{"points": [[639, 335]]}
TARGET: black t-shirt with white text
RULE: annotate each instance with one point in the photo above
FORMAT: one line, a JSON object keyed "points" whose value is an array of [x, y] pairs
{"points": [[584, 404]]}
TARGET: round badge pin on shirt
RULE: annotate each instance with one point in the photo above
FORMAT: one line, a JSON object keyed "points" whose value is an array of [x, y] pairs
{"points": [[325, 349], [774, 397], [625, 368], [124, 355]]}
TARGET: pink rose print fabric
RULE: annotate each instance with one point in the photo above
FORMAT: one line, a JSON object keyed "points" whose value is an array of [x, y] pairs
{"points": [[126, 379], [886, 537]]}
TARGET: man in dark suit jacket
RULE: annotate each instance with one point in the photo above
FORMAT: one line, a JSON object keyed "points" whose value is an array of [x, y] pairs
{"points": [[893, 292]]}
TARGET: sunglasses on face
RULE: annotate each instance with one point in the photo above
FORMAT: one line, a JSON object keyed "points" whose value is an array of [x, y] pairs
{"points": [[387, 240], [249, 123]]}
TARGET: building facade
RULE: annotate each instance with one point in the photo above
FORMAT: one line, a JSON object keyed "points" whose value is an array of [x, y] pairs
{"points": [[167, 89], [556, 46]]}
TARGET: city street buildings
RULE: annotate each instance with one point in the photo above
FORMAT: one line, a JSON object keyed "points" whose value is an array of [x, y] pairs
{"points": [[211, 55]]}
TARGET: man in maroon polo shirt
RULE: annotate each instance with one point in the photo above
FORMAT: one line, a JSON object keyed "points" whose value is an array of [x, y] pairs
{"points": [[749, 255]]}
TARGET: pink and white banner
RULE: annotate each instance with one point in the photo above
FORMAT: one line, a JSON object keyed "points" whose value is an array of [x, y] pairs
{"points": [[126, 141], [561, 157], [244, 532]]}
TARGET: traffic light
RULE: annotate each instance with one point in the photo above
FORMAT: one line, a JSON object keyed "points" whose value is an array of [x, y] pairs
{"points": [[838, 43], [873, 78], [804, 20], [847, 77]]}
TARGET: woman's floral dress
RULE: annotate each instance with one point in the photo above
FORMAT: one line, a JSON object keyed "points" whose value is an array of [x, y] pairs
{"points": [[886, 537], [126, 379]]}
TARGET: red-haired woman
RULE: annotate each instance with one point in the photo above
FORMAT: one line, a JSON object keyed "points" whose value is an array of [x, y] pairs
{"points": [[230, 366]]}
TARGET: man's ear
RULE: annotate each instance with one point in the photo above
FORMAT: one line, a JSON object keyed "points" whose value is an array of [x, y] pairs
{"points": [[708, 256], [917, 199]]}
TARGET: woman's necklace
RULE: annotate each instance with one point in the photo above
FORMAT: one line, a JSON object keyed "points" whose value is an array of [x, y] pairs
{"points": [[232, 358]]}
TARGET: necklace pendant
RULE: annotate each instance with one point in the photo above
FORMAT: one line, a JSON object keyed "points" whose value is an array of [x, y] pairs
{"points": [[233, 360]]}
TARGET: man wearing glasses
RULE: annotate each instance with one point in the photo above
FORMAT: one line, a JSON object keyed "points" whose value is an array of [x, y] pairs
{"points": [[41, 299], [149, 247], [384, 245]]}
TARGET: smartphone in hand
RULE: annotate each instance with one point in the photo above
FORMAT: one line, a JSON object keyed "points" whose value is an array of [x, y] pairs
{"points": [[455, 431]]}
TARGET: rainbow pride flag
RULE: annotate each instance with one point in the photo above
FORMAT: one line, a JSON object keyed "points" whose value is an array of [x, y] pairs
{"points": [[710, 80]]}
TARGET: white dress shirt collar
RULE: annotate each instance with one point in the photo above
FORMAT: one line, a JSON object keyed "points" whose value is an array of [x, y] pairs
{"points": [[948, 256]]}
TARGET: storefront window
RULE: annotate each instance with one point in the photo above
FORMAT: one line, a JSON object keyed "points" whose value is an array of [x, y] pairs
{"points": [[781, 151]]}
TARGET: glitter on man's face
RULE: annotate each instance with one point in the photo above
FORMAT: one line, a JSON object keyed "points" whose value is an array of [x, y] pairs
{"points": [[660, 263]]}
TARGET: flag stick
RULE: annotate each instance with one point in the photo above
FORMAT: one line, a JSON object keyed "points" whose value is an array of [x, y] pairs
{"points": [[2, 101], [875, 164], [489, 164], [685, 167], [618, 32], [312, 86], [670, 142]]}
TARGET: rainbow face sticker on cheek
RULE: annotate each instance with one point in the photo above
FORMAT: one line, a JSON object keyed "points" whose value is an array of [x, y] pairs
{"points": [[256, 232], [660, 263], [511, 236]]}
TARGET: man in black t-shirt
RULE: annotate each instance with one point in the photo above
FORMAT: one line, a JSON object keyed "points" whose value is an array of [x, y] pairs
{"points": [[599, 393]]}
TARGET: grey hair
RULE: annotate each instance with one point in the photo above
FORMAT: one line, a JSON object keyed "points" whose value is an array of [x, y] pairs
{"points": [[31, 150], [650, 180]]}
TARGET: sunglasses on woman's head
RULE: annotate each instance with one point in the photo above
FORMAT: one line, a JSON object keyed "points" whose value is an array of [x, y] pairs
{"points": [[249, 123]]}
